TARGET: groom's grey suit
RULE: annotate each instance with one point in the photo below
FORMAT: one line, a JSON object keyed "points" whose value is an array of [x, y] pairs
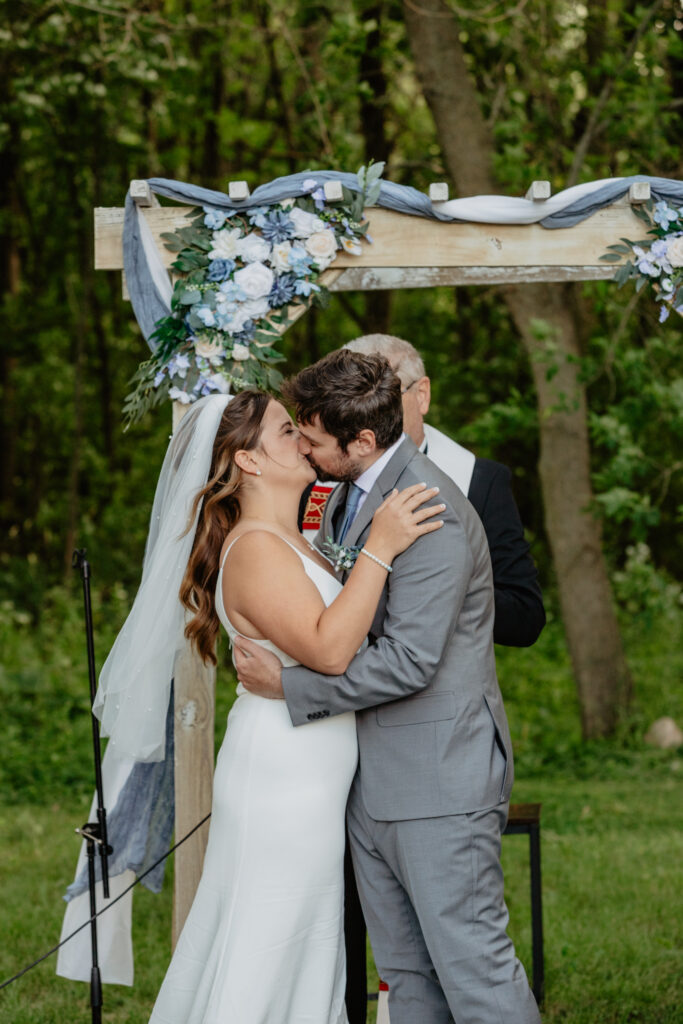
{"points": [[430, 798]]}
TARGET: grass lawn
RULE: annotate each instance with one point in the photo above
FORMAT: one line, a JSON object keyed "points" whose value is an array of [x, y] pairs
{"points": [[612, 882], [612, 843]]}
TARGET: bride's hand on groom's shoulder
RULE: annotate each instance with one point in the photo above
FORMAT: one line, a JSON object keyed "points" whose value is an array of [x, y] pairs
{"points": [[258, 670], [403, 517]]}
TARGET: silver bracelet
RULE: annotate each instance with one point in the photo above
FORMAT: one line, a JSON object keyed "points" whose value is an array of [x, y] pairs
{"points": [[364, 551]]}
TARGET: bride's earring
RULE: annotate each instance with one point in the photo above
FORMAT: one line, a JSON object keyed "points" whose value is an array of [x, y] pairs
{"points": [[258, 472]]}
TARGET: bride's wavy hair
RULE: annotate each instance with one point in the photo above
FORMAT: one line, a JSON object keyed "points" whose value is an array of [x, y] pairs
{"points": [[219, 511]]}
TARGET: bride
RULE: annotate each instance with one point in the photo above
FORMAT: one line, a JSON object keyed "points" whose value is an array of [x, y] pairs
{"points": [[263, 942]]}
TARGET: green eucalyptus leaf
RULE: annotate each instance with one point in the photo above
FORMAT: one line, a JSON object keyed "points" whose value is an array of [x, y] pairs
{"points": [[374, 172], [172, 242], [373, 194]]}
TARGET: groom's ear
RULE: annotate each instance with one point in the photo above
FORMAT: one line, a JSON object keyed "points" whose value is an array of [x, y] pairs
{"points": [[365, 443]]}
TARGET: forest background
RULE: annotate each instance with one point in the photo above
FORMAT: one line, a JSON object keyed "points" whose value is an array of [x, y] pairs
{"points": [[488, 96]]}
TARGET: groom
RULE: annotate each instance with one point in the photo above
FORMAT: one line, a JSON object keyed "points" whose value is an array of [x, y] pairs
{"points": [[429, 802]]}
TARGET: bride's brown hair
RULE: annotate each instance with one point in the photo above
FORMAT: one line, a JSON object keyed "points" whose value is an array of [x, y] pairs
{"points": [[240, 428]]}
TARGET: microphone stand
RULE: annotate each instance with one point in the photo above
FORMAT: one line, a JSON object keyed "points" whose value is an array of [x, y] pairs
{"points": [[94, 832]]}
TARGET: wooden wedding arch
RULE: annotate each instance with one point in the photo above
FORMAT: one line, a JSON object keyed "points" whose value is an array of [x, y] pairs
{"points": [[407, 252]]}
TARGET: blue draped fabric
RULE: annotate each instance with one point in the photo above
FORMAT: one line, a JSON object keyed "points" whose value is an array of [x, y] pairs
{"points": [[140, 826]]}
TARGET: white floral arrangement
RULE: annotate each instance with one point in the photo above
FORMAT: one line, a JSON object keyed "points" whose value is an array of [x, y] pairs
{"points": [[656, 261], [340, 556], [238, 274]]}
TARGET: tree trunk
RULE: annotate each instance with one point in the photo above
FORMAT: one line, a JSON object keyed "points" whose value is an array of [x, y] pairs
{"points": [[375, 142], [543, 316], [10, 285]]}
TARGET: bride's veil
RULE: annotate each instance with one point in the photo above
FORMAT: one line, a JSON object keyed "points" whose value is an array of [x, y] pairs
{"points": [[134, 685]]}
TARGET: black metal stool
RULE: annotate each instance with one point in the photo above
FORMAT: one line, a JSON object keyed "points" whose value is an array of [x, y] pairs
{"points": [[525, 819]]}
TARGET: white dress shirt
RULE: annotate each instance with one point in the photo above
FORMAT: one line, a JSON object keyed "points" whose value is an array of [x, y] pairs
{"points": [[367, 479]]}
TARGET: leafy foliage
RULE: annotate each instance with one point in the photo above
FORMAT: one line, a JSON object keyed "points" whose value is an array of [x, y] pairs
{"points": [[98, 94], [655, 261], [241, 276]]}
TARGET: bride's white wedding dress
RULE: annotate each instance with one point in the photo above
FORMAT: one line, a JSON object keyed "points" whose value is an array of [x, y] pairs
{"points": [[263, 942]]}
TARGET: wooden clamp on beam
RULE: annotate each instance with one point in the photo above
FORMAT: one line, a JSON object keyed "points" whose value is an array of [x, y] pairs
{"points": [[538, 191], [141, 193], [639, 192], [438, 192], [238, 191], [333, 191]]}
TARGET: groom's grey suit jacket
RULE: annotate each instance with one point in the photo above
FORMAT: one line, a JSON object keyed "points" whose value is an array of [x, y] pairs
{"points": [[432, 731]]}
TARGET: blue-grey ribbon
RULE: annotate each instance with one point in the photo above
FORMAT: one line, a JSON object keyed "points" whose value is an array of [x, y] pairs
{"points": [[149, 306], [140, 825], [666, 189]]}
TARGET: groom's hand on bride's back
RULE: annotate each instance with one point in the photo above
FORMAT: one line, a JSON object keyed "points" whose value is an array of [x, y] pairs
{"points": [[258, 670]]}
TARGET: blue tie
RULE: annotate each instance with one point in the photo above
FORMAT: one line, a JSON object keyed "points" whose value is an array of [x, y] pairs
{"points": [[352, 499]]}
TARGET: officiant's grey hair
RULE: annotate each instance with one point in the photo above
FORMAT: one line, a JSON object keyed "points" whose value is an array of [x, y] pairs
{"points": [[401, 355]]}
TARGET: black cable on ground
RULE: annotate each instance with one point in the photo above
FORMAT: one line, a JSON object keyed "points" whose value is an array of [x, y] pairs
{"points": [[85, 924]]}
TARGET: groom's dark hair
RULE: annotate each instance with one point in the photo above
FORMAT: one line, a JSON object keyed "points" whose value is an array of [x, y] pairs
{"points": [[350, 392]]}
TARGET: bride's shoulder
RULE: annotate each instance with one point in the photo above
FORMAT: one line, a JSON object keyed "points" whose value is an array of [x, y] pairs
{"points": [[255, 544]]}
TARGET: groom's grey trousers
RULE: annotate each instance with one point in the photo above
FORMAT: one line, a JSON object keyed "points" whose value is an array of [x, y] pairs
{"points": [[445, 957]]}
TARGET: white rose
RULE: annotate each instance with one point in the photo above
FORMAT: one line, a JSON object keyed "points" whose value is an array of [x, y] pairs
{"points": [[256, 280], [238, 319], [280, 256], [305, 224], [240, 352], [253, 249], [674, 252], [225, 244], [322, 247], [256, 308], [209, 349]]}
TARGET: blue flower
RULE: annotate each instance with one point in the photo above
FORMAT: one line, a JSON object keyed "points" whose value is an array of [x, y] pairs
{"points": [[300, 261], [232, 292], [283, 290], [215, 219], [247, 333], [257, 215], [220, 269], [277, 227], [159, 377], [178, 365], [319, 198], [663, 313], [309, 184], [646, 267], [664, 215], [206, 316], [304, 287]]}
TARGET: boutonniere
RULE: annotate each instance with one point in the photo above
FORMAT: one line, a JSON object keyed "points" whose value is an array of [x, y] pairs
{"points": [[340, 556]]}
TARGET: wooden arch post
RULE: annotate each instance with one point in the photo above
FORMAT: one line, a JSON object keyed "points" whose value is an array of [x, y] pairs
{"points": [[407, 252]]}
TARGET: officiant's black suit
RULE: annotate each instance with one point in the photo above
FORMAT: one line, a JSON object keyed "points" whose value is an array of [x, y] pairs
{"points": [[519, 619]]}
